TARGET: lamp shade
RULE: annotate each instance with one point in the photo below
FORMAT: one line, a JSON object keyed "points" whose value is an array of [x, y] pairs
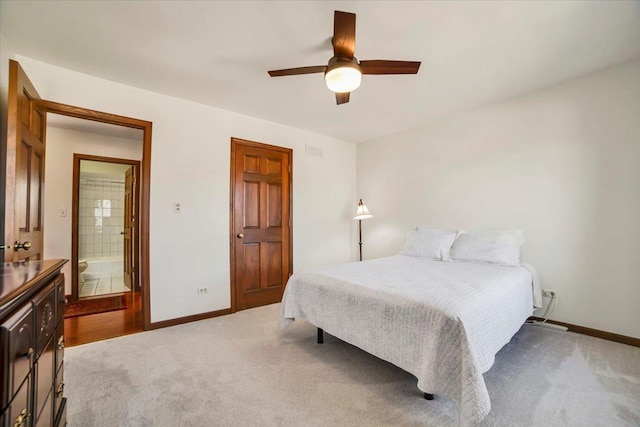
{"points": [[343, 75], [343, 79], [363, 212]]}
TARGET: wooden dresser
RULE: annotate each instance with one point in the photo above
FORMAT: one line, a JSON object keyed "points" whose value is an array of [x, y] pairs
{"points": [[32, 305]]}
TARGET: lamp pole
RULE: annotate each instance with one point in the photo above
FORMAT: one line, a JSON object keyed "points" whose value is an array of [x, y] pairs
{"points": [[362, 213], [360, 233]]}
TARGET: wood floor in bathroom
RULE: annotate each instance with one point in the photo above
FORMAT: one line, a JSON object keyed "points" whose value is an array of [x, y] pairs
{"points": [[101, 326]]}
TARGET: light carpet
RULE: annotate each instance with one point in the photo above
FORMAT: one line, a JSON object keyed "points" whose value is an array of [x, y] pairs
{"points": [[239, 370]]}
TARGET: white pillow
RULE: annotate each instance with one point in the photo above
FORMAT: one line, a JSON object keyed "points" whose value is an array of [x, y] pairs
{"points": [[493, 246], [427, 243]]}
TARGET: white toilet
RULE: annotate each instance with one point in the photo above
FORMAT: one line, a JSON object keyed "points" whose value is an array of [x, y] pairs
{"points": [[82, 266]]}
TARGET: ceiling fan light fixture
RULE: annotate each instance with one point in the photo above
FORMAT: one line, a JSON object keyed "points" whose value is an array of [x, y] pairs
{"points": [[343, 75]]}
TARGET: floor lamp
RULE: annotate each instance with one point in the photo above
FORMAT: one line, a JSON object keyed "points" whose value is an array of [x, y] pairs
{"points": [[362, 213]]}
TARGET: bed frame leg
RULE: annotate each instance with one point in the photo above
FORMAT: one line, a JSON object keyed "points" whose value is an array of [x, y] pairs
{"points": [[320, 336], [428, 396]]}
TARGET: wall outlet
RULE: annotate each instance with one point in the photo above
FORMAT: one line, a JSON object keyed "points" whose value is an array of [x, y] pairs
{"points": [[203, 290], [177, 207], [548, 293]]}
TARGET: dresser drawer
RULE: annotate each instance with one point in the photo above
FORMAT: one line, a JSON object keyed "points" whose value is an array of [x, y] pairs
{"points": [[44, 307], [44, 381], [58, 391], [16, 340], [61, 300], [45, 419], [19, 409], [59, 345], [61, 417]]}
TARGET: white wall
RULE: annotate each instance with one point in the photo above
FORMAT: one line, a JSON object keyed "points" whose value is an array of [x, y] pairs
{"points": [[6, 53], [58, 176], [562, 163], [190, 164], [105, 169]]}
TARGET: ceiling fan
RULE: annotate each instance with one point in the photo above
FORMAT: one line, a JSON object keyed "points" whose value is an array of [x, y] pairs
{"points": [[343, 73]]}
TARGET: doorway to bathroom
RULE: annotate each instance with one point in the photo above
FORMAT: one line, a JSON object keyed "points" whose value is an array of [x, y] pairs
{"points": [[105, 234], [77, 138]]}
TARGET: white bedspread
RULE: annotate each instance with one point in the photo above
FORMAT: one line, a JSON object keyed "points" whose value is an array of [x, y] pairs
{"points": [[441, 321]]}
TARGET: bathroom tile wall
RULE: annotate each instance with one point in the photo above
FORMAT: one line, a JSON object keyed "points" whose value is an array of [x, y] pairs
{"points": [[101, 216]]}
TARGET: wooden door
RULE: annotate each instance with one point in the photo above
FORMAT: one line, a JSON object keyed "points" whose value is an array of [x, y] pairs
{"points": [[24, 196], [261, 223], [129, 228]]}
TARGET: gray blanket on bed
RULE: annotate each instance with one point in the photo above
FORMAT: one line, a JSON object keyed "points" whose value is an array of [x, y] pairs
{"points": [[441, 321]]}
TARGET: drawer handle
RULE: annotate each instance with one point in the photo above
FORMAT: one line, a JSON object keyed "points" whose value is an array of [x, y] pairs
{"points": [[61, 343], [60, 390], [29, 353], [22, 419]]}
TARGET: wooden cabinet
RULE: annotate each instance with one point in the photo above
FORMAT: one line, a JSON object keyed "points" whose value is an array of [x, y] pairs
{"points": [[32, 304]]}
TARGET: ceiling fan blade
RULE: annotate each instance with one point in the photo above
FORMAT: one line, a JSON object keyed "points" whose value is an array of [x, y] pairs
{"points": [[299, 70], [389, 67], [344, 34], [342, 98]]}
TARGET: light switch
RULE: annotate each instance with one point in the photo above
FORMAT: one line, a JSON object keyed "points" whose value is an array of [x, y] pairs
{"points": [[177, 207], [63, 212]]}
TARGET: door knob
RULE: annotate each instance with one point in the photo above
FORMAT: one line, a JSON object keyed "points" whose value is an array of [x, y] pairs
{"points": [[17, 246], [240, 236]]}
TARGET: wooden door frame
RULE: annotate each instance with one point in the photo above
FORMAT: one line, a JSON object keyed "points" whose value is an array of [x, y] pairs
{"points": [[144, 185], [75, 205], [232, 236]]}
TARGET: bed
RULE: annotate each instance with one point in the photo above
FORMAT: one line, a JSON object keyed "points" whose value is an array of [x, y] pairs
{"points": [[441, 321]]}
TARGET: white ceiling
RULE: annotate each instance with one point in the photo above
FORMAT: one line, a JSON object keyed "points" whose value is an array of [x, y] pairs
{"points": [[218, 53]]}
